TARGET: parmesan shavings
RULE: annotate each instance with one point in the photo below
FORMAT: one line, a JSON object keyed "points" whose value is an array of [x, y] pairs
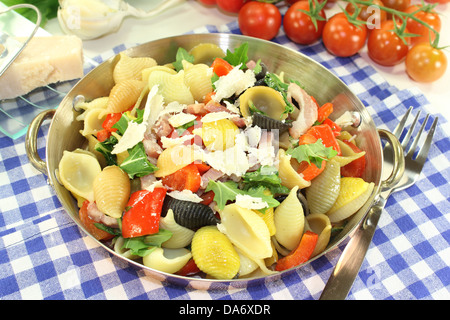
{"points": [[235, 82], [249, 202], [185, 195]]}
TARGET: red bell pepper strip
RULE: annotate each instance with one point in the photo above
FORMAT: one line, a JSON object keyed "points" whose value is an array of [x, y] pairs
{"points": [[301, 254], [325, 133], [355, 168], [324, 111], [189, 269], [103, 134], [221, 67], [186, 178], [142, 217], [335, 128], [111, 120], [309, 170]]}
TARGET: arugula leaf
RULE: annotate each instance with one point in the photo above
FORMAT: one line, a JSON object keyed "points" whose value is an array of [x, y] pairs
{"points": [[312, 153], [182, 54], [260, 192], [105, 148], [224, 192], [137, 164], [181, 129], [113, 231], [239, 56], [142, 246], [266, 176]]}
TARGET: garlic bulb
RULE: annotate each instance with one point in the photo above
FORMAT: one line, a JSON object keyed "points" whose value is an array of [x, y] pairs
{"points": [[90, 19]]}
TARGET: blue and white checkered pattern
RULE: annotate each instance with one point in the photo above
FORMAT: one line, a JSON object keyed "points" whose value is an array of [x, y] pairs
{"points": [[44, 255]]}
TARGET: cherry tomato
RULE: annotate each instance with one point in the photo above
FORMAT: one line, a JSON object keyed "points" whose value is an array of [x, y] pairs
{"points": [[342, 38], [431, 18], [399, 5], [207, 2], [355, 168], [369, 13], [260, 20], [437, 1], [384, 45], [299, 26], [425, 63], [232, 6]]}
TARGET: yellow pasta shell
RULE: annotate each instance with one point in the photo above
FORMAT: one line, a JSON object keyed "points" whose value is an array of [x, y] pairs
{"points": [[206, 53], [267, 217], [324, 189], [167, 260], [289, 177], [122, 96], [246, 230], [348, 155], [214, 254], [111, 191], [198, 78], [320, 224], [131, 68], [171, 86], [353, 194], [218, 135], [174, 158]]}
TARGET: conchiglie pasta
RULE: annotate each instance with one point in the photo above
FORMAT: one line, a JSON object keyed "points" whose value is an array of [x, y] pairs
{"points": [[348, 155], [123, 96], [167, 260], [128, 68], [268, 219], [320, 224], [97, 103], [289, 177], [198, 79], [206, 53], [77, 171], [93, 120], [218, 135], [181, 236], [146, 72], [246, 230], [324, 189], [214, 254], [111, 191], [171, 87], [289, 221], [174, 158]]}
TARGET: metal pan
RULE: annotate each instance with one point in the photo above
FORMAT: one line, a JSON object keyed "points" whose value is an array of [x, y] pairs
{"points": [[319, 82]]}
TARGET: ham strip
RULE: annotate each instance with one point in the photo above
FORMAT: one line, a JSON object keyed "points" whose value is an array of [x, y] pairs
{"points": [[308, 110]]}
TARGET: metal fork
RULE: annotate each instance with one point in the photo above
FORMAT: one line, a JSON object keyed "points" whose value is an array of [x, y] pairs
{"points": [[346, 269]]}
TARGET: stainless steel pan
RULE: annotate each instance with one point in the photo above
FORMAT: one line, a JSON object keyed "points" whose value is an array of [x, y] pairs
{"points": [[319, 82]]}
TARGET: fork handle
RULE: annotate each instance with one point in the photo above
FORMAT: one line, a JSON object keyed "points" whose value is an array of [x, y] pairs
{"points": [[346, 269]]}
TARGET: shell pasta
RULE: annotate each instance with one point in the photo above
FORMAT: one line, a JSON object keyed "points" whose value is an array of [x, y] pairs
{"points": [[213, 166]]}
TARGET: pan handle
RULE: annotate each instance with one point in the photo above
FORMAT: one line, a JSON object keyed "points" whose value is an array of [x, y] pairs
{"points": [[32, 137]]}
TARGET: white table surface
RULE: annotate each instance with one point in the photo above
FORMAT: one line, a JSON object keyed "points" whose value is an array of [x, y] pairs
{"points": [[191, 14]]}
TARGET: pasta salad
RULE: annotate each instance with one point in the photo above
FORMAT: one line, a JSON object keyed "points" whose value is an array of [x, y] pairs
{"points": [[213, 166]]}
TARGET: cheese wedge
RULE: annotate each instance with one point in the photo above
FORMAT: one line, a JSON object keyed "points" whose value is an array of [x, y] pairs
{"points": [[44, 60]]}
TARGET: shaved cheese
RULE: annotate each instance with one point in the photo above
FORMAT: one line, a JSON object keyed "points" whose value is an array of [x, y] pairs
{"points": [[216, 116], [249, 202], [185, 195], [170, 142], [179, 119], [235, 82]]}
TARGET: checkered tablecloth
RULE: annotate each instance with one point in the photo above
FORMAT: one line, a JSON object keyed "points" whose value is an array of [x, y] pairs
{"points": [[44, 255]]}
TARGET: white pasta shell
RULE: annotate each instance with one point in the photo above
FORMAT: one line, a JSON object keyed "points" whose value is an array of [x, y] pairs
{"points": [[167, 260], [181, 236], [320, 224], [77, 171], [289, 177], [348, 155], [123, 96], [247, 265], [92, 121], [118, 247], [131, 68], [111, 191], [289, 221], [97, 103], [198, 79], [324, 189], [146, 72], [246, 230], [171, 87], [353, 194]]}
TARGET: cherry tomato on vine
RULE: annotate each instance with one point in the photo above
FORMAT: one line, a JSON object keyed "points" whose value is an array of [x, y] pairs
{"points": [[431, 18], [232, 6], [207, 2], [399, 5], [368, 13], [299, 26], [260, 20], [341, 37], [385, 47], [425, 63]]}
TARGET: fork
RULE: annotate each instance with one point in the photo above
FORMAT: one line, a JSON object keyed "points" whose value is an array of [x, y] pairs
{"points": [[348, 265]]}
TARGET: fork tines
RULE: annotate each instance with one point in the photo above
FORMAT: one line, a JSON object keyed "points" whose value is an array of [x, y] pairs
{"points": [[423, 142]]}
